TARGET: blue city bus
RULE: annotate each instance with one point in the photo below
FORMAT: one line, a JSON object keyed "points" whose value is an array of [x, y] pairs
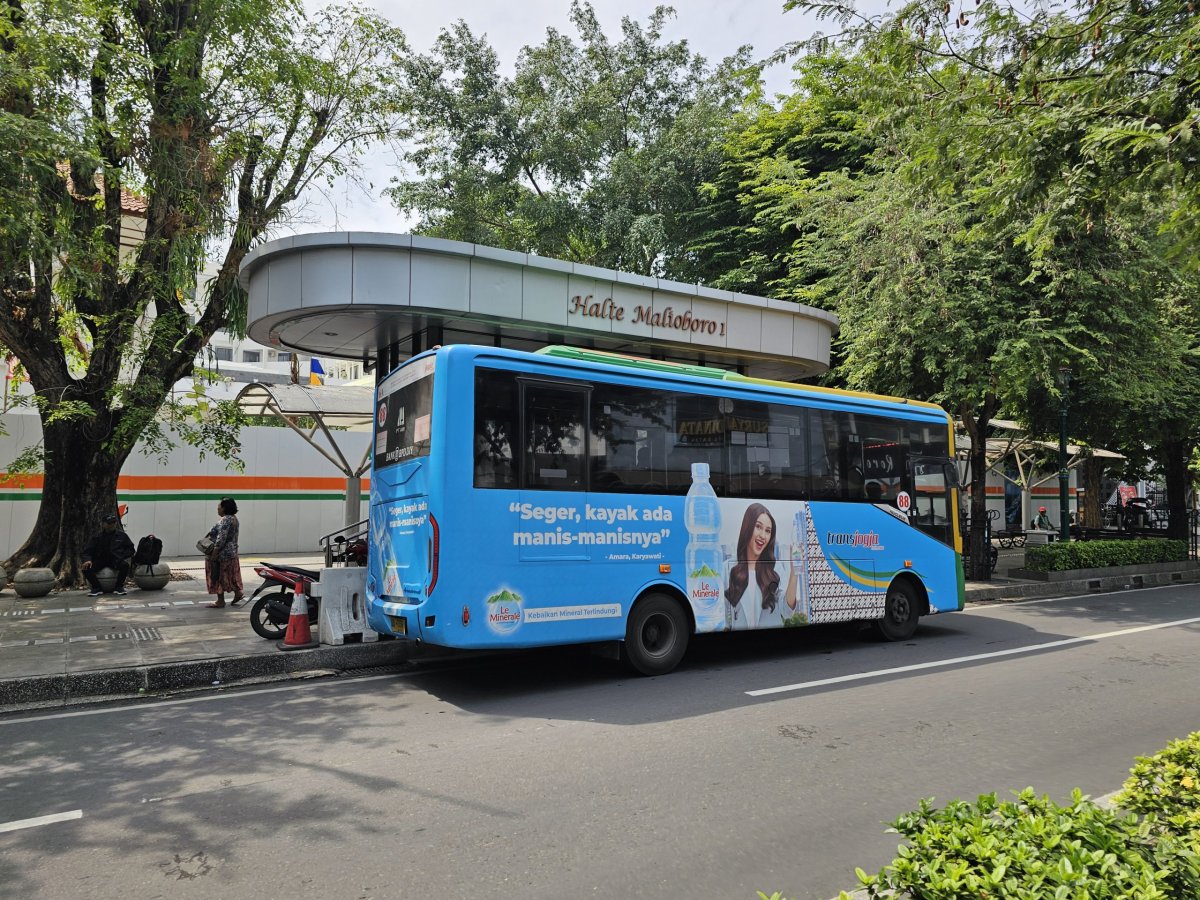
{"points": [[571, 496]]}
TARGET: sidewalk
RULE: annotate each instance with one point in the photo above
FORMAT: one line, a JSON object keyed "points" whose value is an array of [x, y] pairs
{"points": [[69, 648]]}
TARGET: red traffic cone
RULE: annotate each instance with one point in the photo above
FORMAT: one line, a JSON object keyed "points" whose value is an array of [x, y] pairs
{"points": [[299, 634]]}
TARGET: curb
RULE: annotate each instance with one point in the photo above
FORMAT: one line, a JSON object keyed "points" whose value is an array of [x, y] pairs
{"points": [[1082, 586], [78, 687]]}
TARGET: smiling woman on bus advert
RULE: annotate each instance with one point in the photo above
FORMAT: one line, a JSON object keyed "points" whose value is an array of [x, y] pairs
{"points": [[755, 596]]}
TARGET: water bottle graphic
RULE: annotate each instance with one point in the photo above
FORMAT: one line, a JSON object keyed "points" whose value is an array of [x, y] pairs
{"points": [[800, 560], [704, 560]]}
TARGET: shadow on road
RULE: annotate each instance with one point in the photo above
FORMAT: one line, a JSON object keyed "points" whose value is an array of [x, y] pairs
{"points": [[572, 683]]}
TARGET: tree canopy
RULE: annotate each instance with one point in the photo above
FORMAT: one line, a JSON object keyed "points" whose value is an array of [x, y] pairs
{"points": [[593, 151], [212, 116]]}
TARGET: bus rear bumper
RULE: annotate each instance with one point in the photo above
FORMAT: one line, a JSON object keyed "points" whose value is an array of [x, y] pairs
{"points": [[400, 620]]}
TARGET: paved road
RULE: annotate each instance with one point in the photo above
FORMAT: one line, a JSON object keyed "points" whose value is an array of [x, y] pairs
{"points": [[550, 774]]}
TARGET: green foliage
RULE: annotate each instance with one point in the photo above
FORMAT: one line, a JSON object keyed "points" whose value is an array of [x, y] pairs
{"points": [[1031, 848], [774, 160], [1059, 557], [211, 117], [1167, 786], [209, 426], [1064, 133], [593, 151], [26, 462]]}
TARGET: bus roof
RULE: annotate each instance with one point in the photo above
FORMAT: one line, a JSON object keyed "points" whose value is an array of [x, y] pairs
{"points": [[654, 365]]}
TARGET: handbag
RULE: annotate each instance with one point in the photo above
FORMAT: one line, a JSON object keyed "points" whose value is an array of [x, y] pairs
{"points": [[204, 545]]}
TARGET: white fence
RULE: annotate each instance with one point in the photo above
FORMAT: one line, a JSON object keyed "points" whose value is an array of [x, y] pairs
{"points": [[288, 495]]}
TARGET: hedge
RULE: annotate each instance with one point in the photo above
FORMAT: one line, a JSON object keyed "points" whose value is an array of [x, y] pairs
{"points": [[1101, 554], [1148, 848], [1167, 785]]}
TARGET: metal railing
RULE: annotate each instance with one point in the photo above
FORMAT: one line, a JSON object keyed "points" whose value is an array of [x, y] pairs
{"points": [[341, 547]]}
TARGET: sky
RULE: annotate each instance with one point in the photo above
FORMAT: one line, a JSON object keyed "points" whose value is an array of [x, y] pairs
{"points": [[713, 28]]}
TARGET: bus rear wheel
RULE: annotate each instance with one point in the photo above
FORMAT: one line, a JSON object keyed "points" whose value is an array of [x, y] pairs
{"points": [[900, 613], [656, 636]]}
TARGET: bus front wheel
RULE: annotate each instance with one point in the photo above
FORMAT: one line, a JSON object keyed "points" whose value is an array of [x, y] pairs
{"points": [[656, 636], [900, 613]]}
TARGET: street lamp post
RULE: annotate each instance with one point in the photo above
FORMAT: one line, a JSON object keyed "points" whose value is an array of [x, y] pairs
{"points": [[1064, 476]]}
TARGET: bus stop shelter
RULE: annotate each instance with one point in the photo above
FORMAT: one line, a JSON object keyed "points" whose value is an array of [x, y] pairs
{"points": [[1012, 449], [317, 413]]}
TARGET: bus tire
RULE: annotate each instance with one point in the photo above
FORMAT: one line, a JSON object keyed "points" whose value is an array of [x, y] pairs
{"points": [[900, 613], [656, 635]]}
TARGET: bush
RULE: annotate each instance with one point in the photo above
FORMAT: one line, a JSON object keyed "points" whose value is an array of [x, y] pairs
{"points": [[1101, 554], [1167, 786], [1031, 848]]}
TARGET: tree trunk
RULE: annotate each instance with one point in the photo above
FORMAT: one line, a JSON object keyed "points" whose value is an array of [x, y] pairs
{"points": [[79, 489], [981, 550], [1091, 515], [1176, 452]]}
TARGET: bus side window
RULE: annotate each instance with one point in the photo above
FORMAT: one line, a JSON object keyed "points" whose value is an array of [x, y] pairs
{"points": [[555, 438], [824, 458], [493, 456], [495, 464]]}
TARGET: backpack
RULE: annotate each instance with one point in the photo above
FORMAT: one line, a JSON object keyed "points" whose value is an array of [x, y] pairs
{"points": [[149, 549]]}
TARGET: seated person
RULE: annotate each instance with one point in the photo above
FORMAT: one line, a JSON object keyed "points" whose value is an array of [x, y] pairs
{"points": [[1042, 522], [109, 549]]}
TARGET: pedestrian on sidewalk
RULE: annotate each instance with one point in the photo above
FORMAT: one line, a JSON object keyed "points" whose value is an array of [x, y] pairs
{"points": [[1042, 522], [110, 548], [223, 566]]}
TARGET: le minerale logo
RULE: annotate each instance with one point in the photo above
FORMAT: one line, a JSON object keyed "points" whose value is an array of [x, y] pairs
{"points": [[504, 611]]}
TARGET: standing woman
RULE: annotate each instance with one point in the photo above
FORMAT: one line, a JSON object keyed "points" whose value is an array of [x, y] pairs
{"points": [[223, 567]]}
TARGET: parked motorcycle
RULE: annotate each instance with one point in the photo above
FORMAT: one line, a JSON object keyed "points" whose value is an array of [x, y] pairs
{"points": [[352, 552], [269, 613]]}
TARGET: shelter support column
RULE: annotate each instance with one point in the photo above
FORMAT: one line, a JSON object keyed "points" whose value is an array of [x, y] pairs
{"points": [[353, 512]]}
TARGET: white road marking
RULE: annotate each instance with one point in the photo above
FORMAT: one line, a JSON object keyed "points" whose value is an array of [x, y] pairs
{"points": [[959, 660], [41, 820], [151, 704]]}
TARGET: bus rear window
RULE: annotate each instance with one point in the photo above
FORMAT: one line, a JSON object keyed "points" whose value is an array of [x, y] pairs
{"points": [[403, 414]]}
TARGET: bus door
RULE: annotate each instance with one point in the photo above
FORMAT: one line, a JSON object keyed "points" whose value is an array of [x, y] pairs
{"points": [[554, 482], [934, 483]]}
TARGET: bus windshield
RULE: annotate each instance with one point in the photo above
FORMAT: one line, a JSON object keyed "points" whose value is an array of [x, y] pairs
{"points": [[403, 411]]}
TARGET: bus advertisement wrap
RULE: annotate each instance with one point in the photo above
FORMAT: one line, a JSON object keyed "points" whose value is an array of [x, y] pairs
{"points": [[777, 563]]}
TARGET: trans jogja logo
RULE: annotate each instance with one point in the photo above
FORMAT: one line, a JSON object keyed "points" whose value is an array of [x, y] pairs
{"points": [[504, 611], [868, 540]]}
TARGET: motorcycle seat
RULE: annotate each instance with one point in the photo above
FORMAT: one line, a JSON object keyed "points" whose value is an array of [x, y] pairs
{"points": [[295, 570]]}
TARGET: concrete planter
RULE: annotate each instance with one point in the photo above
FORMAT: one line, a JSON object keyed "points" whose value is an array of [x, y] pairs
{"points": [[1186, 566], [151, 578], [107, 578], [33, 582]]}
